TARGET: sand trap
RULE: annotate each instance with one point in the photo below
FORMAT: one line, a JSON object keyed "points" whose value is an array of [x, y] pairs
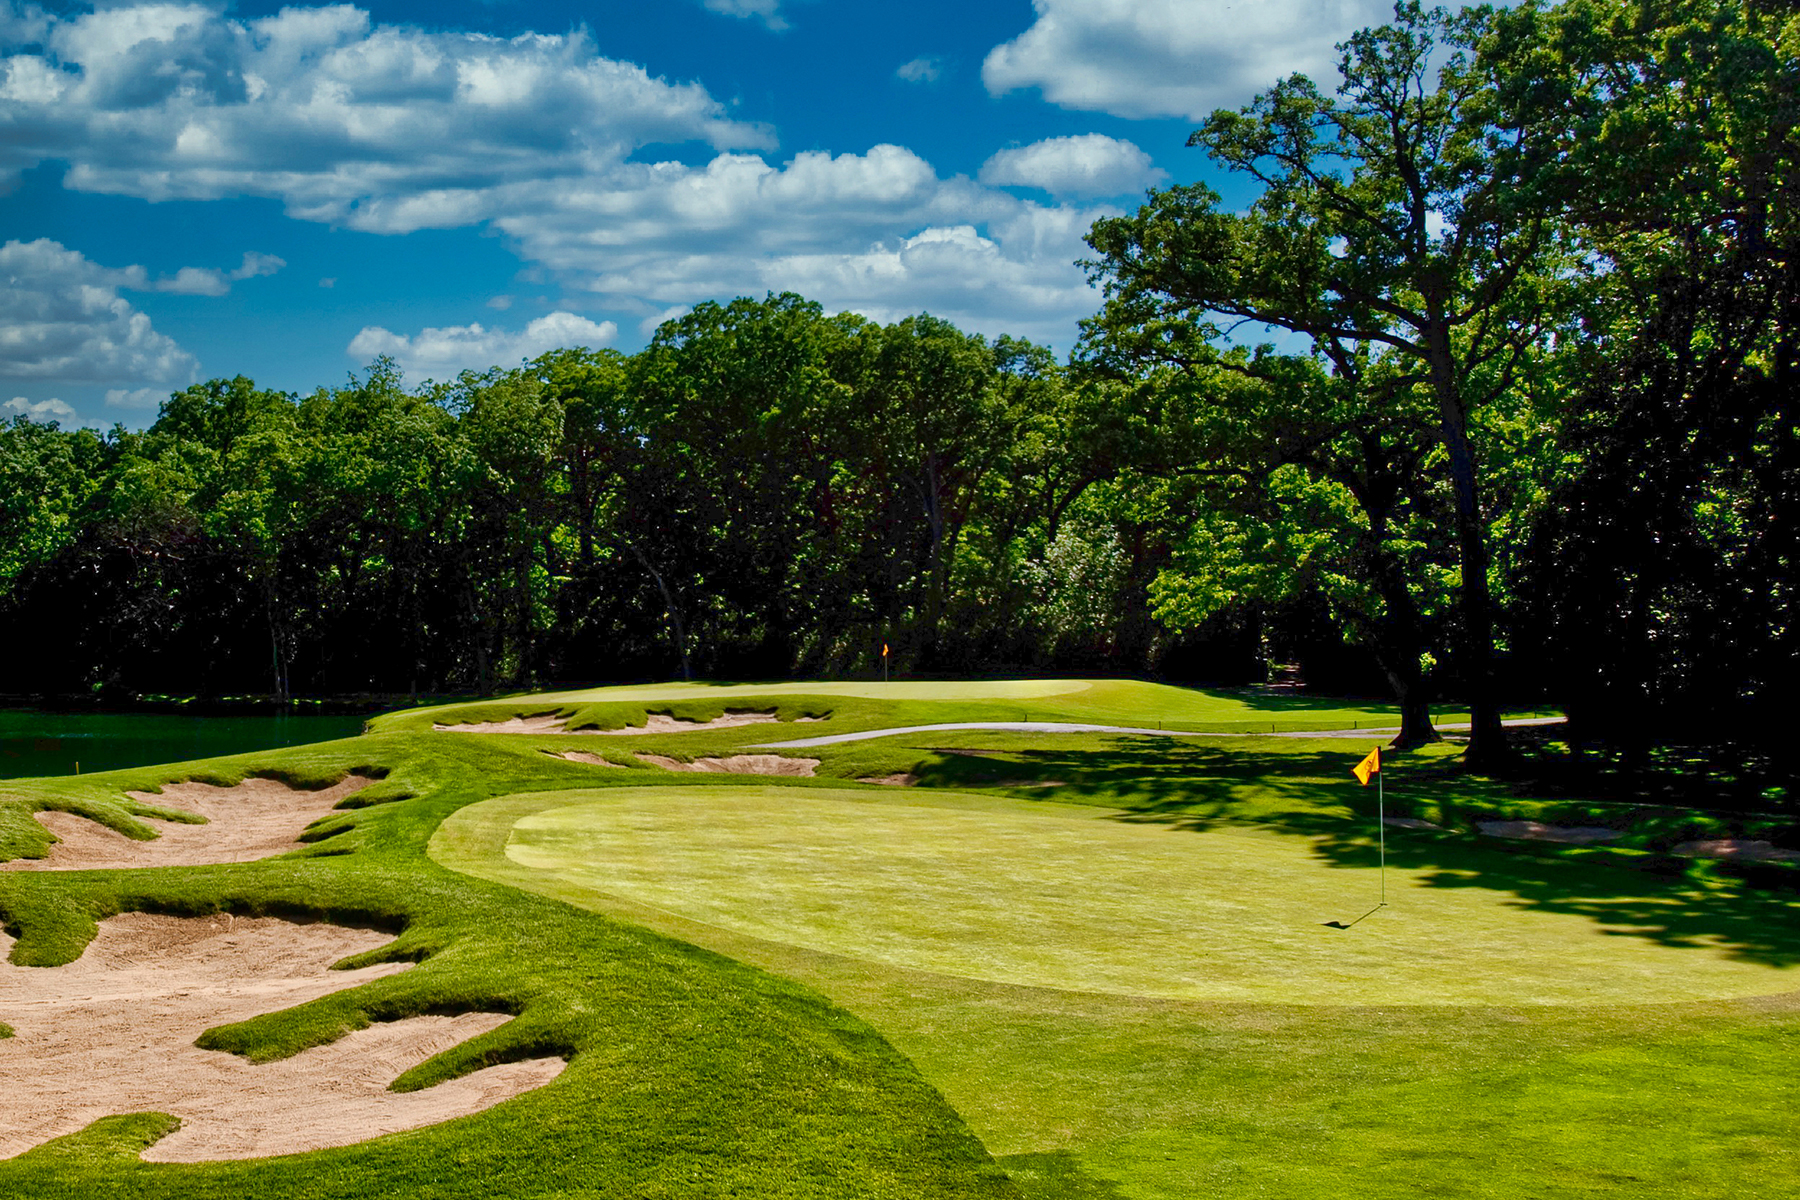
{"points": [[592, 760], [550, 723], [113, 1032], [1743, 849], [255, 819], [654, 723], [737, 764], [904, 779], [1537, 831]]}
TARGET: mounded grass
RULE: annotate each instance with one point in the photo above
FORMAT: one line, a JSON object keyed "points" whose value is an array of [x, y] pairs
{"points": [[690, 1074], [852, 707]]}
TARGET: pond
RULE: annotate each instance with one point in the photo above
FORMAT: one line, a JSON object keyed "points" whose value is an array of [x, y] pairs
{"points": [[37, 742]]}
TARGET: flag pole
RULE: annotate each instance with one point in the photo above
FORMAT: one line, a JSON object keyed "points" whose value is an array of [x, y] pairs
{"points": [[1381, 825]]}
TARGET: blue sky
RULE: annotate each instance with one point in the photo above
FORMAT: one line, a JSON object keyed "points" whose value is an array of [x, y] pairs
{"points": [[200, 190]]}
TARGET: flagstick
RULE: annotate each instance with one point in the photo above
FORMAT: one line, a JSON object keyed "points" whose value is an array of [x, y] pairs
{"points": [[1381, 824]]}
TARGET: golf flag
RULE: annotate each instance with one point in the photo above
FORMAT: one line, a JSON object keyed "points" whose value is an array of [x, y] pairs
{"points": [[1367, 767], [884, 649]]}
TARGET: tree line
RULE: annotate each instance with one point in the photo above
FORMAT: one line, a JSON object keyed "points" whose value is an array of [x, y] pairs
{"points": [[1488, 393]]}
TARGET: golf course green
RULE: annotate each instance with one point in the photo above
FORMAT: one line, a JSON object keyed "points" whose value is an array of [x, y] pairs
{"points": [[1071, 897], [1058, 966]]}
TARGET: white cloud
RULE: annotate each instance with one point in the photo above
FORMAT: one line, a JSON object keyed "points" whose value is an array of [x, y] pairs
{"points": [[921, 70], [204, 281], [41, 410], [868, 232], [390, 129], [62, 318], [1091, 164], [1173, 58], [768, 11], [329, 112], [443, 353], [502, 303], [145, 397]]}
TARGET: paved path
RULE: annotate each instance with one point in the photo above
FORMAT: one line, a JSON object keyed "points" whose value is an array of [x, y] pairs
{"points": [[1070, 727]]}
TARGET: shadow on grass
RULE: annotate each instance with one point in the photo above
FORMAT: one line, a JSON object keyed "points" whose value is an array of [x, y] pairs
{"points": [[1634, 892], [1056, 1176]]}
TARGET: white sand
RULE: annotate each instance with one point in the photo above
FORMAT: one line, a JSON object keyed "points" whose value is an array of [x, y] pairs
{"points": [[256, 819], [113, 1032], [737, 764]]}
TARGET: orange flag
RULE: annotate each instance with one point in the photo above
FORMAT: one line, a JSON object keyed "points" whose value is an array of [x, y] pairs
{"points": [[884, 649], [1367, 767]]}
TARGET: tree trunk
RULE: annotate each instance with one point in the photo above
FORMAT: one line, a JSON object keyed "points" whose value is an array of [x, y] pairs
{"points": [[1487, 737], [671, 611]]}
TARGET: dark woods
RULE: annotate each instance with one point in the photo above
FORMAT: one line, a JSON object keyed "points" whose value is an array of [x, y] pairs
{"points": [[1527, 432], [763, 490]]}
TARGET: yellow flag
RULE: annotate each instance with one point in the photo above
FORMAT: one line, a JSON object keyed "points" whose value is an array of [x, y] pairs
{"points": [[884, 649], [1367, 767]]}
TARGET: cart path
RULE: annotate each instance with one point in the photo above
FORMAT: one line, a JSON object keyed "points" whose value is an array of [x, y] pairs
{"points": [[1070, 727]]}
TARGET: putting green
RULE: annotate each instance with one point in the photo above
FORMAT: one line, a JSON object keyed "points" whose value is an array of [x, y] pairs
{"points": [[1077, 899]]}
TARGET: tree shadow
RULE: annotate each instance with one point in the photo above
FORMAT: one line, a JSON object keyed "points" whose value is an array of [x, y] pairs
{"points": [[1752, 912]]}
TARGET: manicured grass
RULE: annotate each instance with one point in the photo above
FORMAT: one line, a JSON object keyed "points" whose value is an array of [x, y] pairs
{"points": [[777, 1046], [1076, 898], [1085, 1094]]}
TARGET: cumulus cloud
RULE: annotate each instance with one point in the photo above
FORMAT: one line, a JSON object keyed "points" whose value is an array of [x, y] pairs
{"points": [[390, 129], [41, 410], [874, 233], [766, 11], [442, 353], [144, 397], [62, 318], [1091, 164], [921, 70], [1172, 58], [328, 112], [204, 281]]}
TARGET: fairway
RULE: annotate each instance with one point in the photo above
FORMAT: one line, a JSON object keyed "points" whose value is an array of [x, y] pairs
{"points": [[1079, 899]]}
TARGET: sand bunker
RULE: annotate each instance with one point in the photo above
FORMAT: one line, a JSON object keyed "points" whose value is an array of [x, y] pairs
{"points": [[113, 1032], [544, 724], [592, 760], [255, 819], [654, 723], [904, 779], [1742, 849], [1537, 831], [737, 764]]}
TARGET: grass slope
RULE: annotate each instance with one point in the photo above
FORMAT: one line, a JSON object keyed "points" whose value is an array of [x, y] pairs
{"points": [[858, 706]]}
